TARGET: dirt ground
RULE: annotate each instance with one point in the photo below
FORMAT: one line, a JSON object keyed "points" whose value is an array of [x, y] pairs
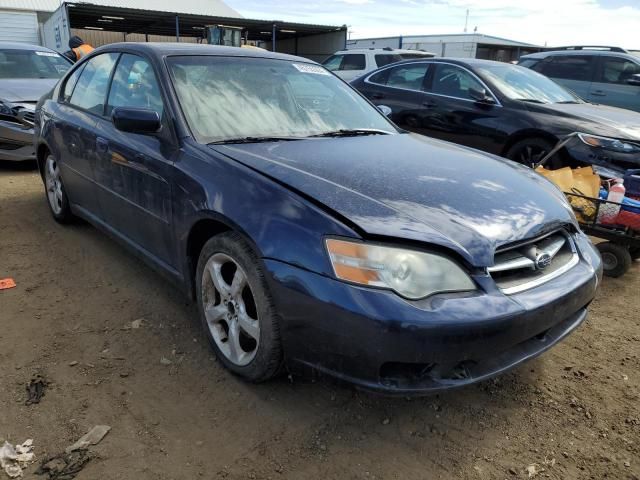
{"points": [[176, 413]]}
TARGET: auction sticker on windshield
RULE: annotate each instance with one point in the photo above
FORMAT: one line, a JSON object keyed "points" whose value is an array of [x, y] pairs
{"points": [[310, 69], [46, 54]]}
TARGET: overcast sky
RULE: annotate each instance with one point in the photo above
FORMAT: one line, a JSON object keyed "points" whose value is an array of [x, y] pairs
{"points": [[554, 22]]}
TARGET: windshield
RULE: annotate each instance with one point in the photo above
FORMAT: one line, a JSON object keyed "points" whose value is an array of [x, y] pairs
{"points": [[32, 64], [519, 83], [225, 98]]}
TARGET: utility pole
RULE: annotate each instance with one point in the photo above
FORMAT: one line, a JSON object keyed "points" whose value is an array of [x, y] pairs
{"points": [[466, 21]]}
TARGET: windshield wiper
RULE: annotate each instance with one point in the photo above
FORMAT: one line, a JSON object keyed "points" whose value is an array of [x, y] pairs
{"points": [[354, 132], [530, 100], [254, 140]]}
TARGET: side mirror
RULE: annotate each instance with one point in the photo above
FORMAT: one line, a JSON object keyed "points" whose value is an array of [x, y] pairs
{"points": [[386, 111], [634, 79], [481, 96], [136, 120]]}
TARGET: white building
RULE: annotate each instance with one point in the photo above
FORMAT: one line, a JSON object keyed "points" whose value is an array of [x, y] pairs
{"points": [[465, 45]]}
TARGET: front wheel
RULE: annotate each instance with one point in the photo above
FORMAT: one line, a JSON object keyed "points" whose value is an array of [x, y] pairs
{"points": [[56, 194], [616, 259], [236, 309], [530, 151]]}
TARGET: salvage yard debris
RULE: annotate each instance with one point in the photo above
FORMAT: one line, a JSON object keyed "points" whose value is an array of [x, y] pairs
{"points": [[92, 437], [6, 283], [64, 466], [14, 459], [35, 389]]}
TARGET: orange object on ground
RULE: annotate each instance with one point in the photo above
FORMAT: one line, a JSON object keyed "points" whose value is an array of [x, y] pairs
{"points": [[6, 283]]}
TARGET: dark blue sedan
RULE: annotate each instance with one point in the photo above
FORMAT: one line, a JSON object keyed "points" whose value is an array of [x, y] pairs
{"points": [[308, 228]]}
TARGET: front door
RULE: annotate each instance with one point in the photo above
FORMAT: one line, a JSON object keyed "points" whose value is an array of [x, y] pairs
{"points": [[134, 170], [612, 87], [449, 112]]}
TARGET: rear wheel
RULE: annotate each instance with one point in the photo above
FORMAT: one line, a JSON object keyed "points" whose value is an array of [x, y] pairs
{"points": [[531, 150], [616, 259], [236, 309], [56, 194]]}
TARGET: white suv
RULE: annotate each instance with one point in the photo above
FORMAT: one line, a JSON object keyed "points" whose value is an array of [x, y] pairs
{"points": [[350, 64]]}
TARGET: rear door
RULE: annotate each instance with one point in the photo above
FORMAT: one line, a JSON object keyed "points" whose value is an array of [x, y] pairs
{"points": [[82, 102], [447, 110], [399, 88], [611, 85], [134, 170], [575, 72]]}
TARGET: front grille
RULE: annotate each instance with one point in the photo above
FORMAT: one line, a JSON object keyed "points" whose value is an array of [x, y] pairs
{"points": [[10, 146], [29, 116], [530, 264]]}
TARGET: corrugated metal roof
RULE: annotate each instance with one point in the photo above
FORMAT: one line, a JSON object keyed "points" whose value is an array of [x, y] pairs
{"points": [[215, 8]]}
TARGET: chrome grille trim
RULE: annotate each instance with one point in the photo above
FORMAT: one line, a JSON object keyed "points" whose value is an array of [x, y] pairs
{"points": [[528, 258]]}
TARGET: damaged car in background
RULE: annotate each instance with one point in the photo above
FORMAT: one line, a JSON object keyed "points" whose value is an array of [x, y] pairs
{"points": [[26, 73], [310, 230]]}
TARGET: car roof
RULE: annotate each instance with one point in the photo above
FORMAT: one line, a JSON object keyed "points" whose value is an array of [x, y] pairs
{"points": [[464, 62], [560, 53], [161, 49], [24, 46]]}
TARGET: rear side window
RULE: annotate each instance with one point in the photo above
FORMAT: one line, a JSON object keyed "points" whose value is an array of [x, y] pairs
{"points": [[529, 62], [90, 92], [353, 61], [617, 70], [383, 59], [134, 85], [409, 77], [70, 84], [568, 67]]}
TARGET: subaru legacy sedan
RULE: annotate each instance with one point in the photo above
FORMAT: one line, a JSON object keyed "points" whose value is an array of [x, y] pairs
{"points": [[310, 231]]}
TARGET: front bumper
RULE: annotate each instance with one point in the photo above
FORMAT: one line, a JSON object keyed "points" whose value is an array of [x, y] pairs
{"points": [[16, 142], [378, 341], [585, 155]]}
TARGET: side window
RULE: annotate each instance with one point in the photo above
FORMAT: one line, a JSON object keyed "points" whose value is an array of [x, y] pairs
{"points": [[454, 82], [410, 77], [333, 62], [617, 70], [569, 67], [71, 83], [381, 77], [529, 63], [91, 89], [353, 61], [383, 59], [134, 85]]}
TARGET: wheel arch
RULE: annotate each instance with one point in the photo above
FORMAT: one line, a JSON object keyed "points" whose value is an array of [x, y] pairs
{"points": [[203, 228], [41, 153]]}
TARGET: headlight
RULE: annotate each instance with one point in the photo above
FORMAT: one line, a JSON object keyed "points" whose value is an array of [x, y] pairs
{"points": [[609, 143], [409, 273], [6, 110]]}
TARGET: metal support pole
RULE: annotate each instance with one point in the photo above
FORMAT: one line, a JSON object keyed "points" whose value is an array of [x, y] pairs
{"points": [[400, 41], [177, 28], [146, 37], [273, 38]]}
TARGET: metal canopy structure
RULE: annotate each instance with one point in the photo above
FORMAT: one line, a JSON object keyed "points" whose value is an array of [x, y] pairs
{"points": [[129, 20]]}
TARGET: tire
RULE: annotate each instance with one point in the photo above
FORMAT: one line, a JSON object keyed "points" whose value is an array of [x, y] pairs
{"points": [[531, 150], [55, 192], [241, 324], [635, 253], [616, 259]]}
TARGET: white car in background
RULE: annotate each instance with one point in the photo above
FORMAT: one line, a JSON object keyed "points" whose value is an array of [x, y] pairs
{"points": [[350, 64]]}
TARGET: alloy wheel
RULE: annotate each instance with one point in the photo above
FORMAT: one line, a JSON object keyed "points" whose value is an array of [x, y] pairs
{"points": [[53, 185], [530, 155], [230, 309]]}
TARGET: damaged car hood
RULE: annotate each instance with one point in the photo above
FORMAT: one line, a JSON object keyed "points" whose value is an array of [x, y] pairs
{"points": [[25, 89], [412, 187], [600, 119]]}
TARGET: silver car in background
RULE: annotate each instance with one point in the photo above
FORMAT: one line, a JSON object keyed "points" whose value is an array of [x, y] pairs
{"points": [[26, 73]]}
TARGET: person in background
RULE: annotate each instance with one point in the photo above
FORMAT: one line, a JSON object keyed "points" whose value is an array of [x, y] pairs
{"points": [[78, 49]]}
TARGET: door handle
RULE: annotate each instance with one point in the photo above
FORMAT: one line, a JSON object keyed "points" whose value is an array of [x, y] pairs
{"points": [[377, 96], [429, 104], [598, 93], [102, 145]]}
